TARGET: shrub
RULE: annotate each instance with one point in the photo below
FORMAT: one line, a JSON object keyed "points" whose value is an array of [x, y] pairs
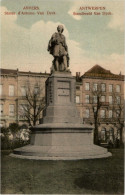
{"points": [[7, 144], [14, 129], [17, 141]]}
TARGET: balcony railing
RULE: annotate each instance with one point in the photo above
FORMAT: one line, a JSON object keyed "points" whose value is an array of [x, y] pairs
{"points": [[6, 117], [104, 103], [3, 97], [103, 120], [113, 120]]}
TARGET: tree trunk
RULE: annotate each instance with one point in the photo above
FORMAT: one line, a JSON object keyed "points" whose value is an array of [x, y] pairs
{"points": [[96, 132], [121, 136]]}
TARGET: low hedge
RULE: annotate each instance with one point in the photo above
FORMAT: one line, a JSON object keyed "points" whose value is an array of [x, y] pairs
{"points": [[7, 144]]}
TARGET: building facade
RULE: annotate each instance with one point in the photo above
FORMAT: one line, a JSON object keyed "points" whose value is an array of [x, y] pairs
{"points": [[101, 87], [12, 91], [96, 82]]}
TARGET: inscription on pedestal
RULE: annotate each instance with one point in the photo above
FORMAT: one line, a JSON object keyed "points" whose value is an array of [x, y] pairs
{"points": [[63, 91]]}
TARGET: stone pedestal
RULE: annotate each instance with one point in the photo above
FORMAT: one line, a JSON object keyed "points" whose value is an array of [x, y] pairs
{"points": [[61, 134], [60, 100]]}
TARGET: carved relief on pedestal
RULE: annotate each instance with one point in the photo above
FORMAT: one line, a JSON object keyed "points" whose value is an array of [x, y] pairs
{"points": [[50, 92]]}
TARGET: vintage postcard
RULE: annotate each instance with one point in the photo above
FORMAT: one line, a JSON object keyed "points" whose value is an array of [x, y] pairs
{"points": [[62, 96]]}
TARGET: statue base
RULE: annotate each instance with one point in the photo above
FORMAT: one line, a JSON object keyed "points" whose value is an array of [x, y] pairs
{"points": [[71, 142], [61, 134]]}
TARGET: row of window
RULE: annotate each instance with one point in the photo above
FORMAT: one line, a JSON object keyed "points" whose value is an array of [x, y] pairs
{"points": [[108, 135], [11, 109], [22, 109], [102, 113], [103, 99], [102, 87], [24, 90], [87, 88], [12, 90]]}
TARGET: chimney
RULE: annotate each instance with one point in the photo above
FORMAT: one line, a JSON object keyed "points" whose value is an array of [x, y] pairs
{"points": [[17, 70], [77, 76]]}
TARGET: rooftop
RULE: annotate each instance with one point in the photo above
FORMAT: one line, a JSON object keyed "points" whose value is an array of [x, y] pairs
{"points": [[95, 72], [15, 72], [99, 72]]}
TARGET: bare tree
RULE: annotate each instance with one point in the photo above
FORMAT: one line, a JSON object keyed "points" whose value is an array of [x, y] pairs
{"points": [[33, 103], [118, 110], [98, 101], [96, 94]]}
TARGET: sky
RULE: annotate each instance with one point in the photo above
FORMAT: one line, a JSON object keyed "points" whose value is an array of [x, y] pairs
{"points": [[91, 39]]}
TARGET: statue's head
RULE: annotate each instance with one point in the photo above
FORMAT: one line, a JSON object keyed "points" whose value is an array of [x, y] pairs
{"points": [[60, 28]]}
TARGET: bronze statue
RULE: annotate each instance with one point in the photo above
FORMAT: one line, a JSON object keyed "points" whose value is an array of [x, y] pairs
{"points": [[58, 48]]}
